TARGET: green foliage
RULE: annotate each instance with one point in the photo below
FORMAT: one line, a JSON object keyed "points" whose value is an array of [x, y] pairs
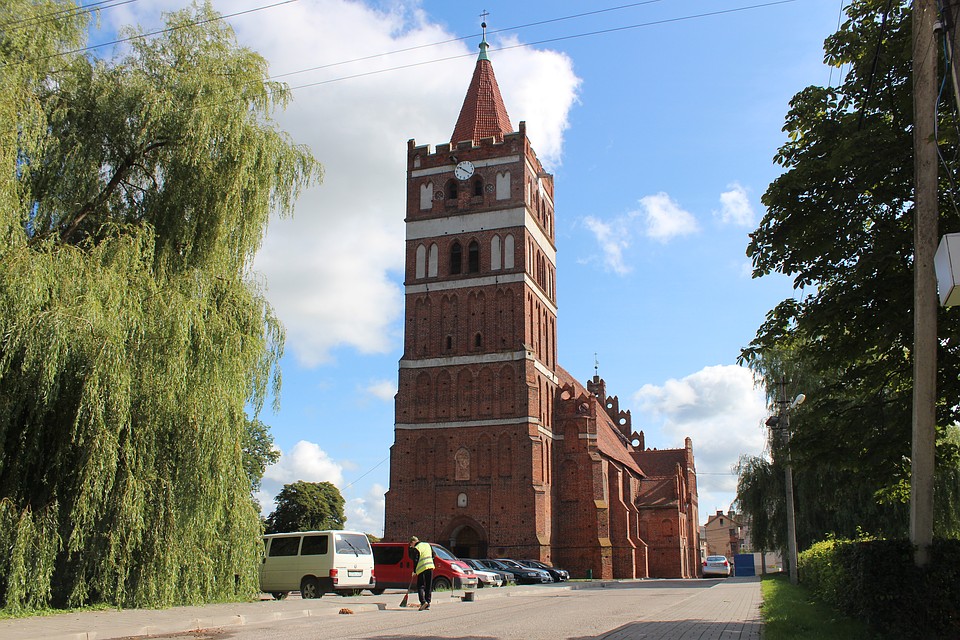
{"points": [[877, 581], [789, 613], [307, 506], [839, 221], [258, 451], [132, 335]]}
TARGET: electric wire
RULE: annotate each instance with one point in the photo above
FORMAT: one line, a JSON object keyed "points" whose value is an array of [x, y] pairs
{"points": [[62, 14], [368, 472], [467, 37], [141, 36], [843, 3], [548, 41]]}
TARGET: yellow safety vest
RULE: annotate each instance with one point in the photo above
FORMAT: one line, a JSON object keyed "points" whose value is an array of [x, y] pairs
{"points": [[426, 557]]}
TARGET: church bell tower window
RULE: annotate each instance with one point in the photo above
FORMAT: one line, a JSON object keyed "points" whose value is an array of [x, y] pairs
{"points": [[456, 259], [478, 187], [473, 257]]}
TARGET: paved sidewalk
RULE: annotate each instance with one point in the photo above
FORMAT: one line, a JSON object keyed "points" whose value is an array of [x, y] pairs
{"points": [[728, 610]]}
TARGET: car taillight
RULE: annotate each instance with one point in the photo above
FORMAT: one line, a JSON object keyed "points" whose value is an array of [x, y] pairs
{"points": [[333, 575], [704, 563], [726, 564]]}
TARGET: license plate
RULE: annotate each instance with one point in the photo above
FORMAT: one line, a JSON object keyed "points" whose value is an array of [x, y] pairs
{"points": [[354, 574]]}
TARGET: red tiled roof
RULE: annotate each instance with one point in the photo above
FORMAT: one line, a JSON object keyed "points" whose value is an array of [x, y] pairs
{"points": [[608, 442], [483, 113], [658, 492], [662, 462]]}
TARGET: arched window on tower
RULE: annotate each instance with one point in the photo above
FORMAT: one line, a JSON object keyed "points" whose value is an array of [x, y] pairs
{"points": [[495, 253], [451, 190], [473, 257], [456, 259], [478, 187], [432, 261], [421, 261]]}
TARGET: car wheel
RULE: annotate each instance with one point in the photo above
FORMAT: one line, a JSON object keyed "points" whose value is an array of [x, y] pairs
{"points": [[441, 584], [279, 595], [348, 592], [310, 588], [377, 592]]}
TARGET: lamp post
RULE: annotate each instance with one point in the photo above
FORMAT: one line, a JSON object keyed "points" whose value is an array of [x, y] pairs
{"points": [[782, 423]]}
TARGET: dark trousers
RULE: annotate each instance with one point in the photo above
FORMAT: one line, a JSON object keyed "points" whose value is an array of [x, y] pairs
{"points": [[425, 585]]}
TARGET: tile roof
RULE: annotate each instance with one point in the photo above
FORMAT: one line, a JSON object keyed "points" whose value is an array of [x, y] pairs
{"points": [[609, 442], [658, 492], [661, 462], [483, 113]]}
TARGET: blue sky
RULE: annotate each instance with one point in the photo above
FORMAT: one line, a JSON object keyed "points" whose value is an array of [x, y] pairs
{"points": [[660, 132]]}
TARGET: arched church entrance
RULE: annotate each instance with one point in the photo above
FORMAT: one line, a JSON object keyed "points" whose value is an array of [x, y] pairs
{"points": [[468, 540]]}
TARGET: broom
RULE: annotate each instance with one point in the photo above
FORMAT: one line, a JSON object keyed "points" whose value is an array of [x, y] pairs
{"points": [[406, 596]]}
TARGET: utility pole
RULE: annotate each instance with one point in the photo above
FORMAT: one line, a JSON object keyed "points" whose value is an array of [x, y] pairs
{"points": [[925, 280], [784, 424]]}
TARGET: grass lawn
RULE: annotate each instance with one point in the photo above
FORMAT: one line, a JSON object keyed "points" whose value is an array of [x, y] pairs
{"points": [[790, 613]]}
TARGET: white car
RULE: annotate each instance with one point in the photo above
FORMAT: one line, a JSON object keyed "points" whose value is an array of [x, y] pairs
{"points": [[716, 566], [488, 578]]}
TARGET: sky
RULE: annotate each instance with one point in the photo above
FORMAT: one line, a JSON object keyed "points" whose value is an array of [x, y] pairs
{"points": [[659, 121]]}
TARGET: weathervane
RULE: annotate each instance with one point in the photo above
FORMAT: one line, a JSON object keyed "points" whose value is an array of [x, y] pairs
{"points": [[483, 24], [596, 365]]}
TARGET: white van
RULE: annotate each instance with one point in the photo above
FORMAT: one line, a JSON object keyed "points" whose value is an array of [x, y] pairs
{"points": [[315, 563]]}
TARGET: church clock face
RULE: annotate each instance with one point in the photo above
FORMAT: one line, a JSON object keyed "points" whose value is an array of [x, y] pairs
{"points": [[464, 170]]}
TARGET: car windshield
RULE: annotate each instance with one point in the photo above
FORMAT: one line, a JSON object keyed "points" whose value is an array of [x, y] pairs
{"points": [[509, 563], [355, 543], [716, 559], [442, 552]]}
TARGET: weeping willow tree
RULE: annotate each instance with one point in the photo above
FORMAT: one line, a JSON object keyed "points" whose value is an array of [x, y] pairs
{"points": [[133, 336]]}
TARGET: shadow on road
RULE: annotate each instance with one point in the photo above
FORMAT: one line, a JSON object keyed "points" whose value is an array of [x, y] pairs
{"points": [[681, 629]]}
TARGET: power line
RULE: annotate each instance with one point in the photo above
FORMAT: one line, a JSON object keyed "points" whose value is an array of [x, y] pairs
{"points": [[63, 13], [547, 41], [467, 37], [160, 31]]}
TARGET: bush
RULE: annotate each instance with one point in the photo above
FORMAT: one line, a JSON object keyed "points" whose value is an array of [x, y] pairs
{"points": [[877, 581]]}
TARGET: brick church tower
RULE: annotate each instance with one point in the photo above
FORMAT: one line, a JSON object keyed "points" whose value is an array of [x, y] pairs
{"points": [[471, 458], [498, 451]]}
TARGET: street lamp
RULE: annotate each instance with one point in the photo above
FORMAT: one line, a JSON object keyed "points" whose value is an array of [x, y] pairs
{"points": [[782, 421]]}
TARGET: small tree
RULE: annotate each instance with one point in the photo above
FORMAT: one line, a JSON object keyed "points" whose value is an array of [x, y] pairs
{"points": [[307, 506]]}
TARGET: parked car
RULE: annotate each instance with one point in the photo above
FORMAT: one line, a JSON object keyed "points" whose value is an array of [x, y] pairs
{"points": [[506, 577], [523, 575], [315, 563], [558, 575], [485, 577], [716, 566], [394, 567]]}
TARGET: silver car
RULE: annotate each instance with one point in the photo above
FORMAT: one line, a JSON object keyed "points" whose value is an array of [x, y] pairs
{"points": [[717, 566]]}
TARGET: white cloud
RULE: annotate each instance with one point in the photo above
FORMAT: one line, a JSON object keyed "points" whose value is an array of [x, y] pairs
{"points": [[722, 409], [366, 513], [613, 238], [735, 207], [665, 219], [383, 389], [307, 462], [334, 271]]}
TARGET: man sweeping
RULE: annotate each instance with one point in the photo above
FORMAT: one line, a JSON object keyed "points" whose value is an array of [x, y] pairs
{"points": [[422, 556]]}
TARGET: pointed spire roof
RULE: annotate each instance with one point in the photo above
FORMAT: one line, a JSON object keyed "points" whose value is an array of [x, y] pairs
{"points": [[483, 113]]}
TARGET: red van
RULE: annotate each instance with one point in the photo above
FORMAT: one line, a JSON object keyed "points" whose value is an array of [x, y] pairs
{"points": [[393, 568]]}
